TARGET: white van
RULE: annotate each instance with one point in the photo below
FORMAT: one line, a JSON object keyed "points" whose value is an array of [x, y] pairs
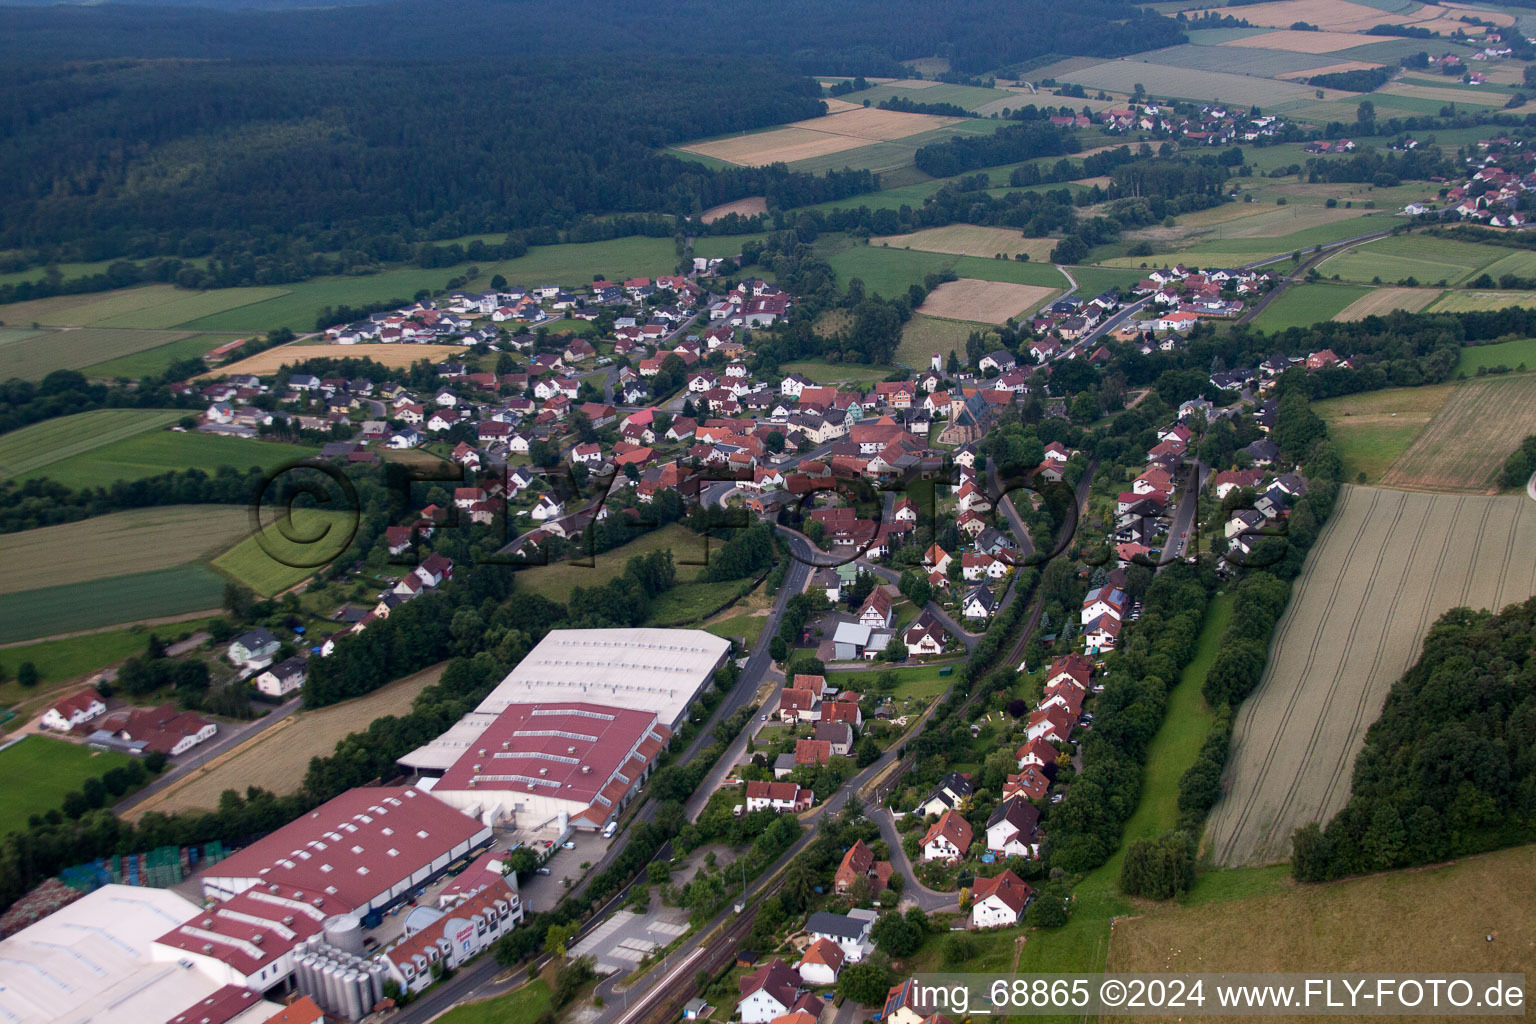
{"points": [[609, 829]]}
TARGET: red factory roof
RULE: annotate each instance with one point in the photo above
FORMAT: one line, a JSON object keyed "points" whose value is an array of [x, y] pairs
{"points": [[354, 846], [567, 750]]}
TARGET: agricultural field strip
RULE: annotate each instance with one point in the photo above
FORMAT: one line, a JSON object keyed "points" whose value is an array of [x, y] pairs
{"points": [[1385, 300], [1295, 739], [141, 540], [987, 301], [40, 445], [1163, 80], [36, 356], [1467, 441]]}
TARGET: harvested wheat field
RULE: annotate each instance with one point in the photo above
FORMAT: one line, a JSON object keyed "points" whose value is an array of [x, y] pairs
{"points": [[1342, 16], [989, 302], [1329, 69], [1468, 440], [752, 206], [1360, 925], [837, 106], [268, 362], [278, 757], [970, 240], [819, 136], [1297, 41], [1388, 564], [1382, 301]]}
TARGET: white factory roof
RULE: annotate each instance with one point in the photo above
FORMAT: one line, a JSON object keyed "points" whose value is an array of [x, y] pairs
{"points": [[659, 670], [90, 961]]}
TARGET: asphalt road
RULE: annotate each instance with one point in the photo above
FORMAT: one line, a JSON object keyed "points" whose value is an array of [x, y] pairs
{"points": [[222, 743]]}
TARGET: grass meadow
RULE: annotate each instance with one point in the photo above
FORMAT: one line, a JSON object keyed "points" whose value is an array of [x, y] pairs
{"points": [[72, 657], [1422, 257], [139, 540], [261, 561], [1358, 924], [1302, 305], [38, 446], [148, 361], [1509, 353], [51, 769], [1373, 428], [97, 448]]}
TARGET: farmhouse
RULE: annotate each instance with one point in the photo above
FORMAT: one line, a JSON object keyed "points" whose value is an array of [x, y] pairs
{"points": [[76, 709]]}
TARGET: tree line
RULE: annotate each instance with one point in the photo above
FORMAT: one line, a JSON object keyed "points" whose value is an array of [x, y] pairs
{"points": [[1449, 769]]}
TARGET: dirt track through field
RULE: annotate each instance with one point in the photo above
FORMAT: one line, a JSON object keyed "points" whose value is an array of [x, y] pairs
{"points": [[1388, 564]]}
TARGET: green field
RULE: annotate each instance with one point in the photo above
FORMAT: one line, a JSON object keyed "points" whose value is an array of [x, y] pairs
{"points": [[155, 360], [1302, 305], [1509, 353], [48, 611], [1371, 429], [261, 562], [836, 373], [51, 769], [568, 265], [1478, 302], [889, 272], [39, 354], [32, 448], [150, 306], [1164, 81], [968, 96], [556, 580], [687, 603], [120, 543], [520, 1006], [748, 626], [723, 246], [131, 448], [1423, 257], [58, 660], [924, 335]]}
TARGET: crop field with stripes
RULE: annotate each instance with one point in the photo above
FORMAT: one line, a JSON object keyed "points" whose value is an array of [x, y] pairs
{"points": [[1389, 563]]}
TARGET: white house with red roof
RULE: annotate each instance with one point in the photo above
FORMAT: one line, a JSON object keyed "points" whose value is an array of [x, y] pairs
{"points": [[467, 929], [948, 838], [76, 709], [777, 796], [999, 902]]}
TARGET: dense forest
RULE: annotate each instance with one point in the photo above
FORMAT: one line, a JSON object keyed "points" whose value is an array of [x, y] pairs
{"points": [[814, 37], [271, 162], [1450, 767]]}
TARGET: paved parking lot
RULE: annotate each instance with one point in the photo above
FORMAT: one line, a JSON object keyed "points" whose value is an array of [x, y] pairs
{"points": [[621, 942], [542, 892]]}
